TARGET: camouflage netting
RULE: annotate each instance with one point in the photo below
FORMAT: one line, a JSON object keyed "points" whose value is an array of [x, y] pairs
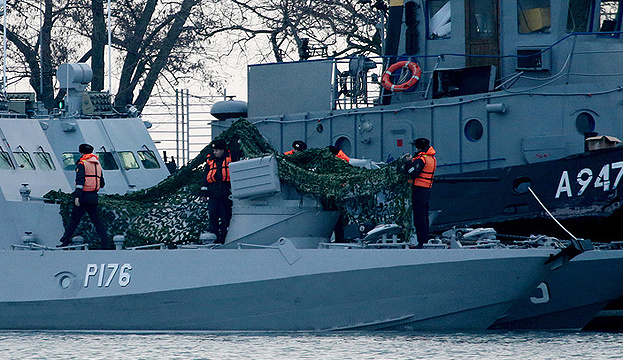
{"points": [[172, 212]]}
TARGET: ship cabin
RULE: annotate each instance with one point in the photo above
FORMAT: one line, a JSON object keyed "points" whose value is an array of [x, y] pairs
{"points": [[39, 151]]}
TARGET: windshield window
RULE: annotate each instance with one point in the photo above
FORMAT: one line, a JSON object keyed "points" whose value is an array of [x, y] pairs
{"points": [[148, 159], [128, 160], [5, 161], [69, 160], [44, 161], [24, 160], [107, 161]]}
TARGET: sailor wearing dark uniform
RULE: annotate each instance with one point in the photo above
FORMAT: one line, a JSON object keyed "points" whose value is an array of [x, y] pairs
{"points": [[216, 189], [89, 179], [421, 170], [297, 146]]}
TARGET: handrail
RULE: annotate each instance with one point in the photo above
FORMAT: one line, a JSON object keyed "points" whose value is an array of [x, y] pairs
{"points": [[241, 245], [161, 246]]}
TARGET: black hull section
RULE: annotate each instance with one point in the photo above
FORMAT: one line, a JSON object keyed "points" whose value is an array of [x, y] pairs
{"points": [[578, 190]]}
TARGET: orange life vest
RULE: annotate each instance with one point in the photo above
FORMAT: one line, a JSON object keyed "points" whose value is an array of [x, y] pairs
{"points": [[342, 156], [289, 152], [92, 172], [425, 178], [213, 168]]}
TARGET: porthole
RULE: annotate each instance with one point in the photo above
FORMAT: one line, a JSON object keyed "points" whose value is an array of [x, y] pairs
{"points": [[319, 128], [585, 123], [521, 185], [473, 130]]}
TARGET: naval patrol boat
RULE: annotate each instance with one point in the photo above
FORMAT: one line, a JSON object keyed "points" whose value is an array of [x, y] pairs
{"points": [[571, 298], [568, 299], [512, 95], [277, 271]]}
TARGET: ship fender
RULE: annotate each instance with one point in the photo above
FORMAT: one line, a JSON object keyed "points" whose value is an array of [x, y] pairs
{"points": [[415, 69]]}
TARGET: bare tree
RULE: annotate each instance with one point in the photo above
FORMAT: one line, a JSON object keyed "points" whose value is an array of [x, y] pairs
{"points": [[160, 44], [157, 41], [294, 27], [33, 44]]}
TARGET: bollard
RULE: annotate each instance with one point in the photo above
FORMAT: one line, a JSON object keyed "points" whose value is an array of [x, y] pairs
{"points": [[207, 238], [24, 191], [119, 240], [77, 240], [28, 239]]}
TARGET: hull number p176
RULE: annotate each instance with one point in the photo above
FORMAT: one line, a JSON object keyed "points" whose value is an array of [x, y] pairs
{"points": [[105, 274]]}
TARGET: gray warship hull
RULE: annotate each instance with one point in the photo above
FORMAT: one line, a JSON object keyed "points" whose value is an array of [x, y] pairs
{"points": [[571, 297], [282, 288]]}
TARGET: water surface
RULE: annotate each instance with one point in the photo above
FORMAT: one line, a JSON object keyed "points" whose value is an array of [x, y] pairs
{"points": [[533, 345]]}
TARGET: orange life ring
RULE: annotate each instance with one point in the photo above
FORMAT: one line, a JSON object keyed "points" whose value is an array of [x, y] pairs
{"points": [[415, 69]]}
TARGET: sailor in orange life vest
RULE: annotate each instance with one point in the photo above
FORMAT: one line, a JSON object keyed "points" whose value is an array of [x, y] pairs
{"points": [[89, 179], [297, 146], [216, 188], [421, 170], [339, 153]]}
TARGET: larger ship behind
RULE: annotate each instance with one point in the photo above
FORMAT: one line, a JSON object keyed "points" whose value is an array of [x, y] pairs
{"points": [[509, 93]]}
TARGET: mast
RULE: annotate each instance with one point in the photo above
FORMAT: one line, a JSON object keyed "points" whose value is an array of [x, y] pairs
{"points": [[109, 51], [392, 40], [3, 5]]}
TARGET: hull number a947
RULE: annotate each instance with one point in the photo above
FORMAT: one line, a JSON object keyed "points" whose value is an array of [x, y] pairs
{"points": [[105, 274], [585, 177]]}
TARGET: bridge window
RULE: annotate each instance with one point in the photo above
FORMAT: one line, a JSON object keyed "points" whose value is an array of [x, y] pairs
{"points": [[5, 161], [148, 159], [23, 160], [128, 160], [107, 161], [577, 19], [70, 159], [439, 12], [533, 16], [44, 160]]}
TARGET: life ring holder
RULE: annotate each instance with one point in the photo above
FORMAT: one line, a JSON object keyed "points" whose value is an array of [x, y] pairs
{"points": [[415, 69]]}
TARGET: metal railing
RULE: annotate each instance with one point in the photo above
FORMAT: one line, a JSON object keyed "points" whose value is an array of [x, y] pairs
{"points": [[180, 124]]}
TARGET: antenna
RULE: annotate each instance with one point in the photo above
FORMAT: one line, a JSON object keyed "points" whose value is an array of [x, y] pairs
{"points": [[3, 5], [41, 10], [109, 51]]}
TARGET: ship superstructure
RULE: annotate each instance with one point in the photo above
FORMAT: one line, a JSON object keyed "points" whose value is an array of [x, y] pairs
{"points": [[508, 92], [39, 151]]}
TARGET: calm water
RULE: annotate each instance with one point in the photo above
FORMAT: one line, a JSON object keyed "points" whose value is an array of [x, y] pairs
{"points": [[351, 345]]}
